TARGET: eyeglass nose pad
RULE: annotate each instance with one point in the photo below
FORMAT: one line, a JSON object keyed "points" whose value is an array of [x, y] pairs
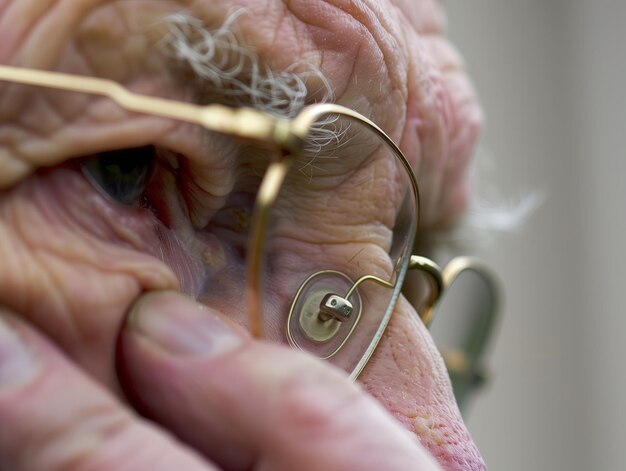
{"points": [[321, 316], [474, 292]]}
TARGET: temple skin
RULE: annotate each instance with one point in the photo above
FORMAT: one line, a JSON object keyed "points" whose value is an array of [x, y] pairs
{"points": [[74, 262]]}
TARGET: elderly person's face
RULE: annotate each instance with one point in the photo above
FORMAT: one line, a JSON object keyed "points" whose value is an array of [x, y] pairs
{"points": [[73, 261]]}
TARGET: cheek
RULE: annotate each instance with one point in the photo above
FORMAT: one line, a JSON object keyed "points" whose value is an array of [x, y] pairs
{"points": [[408, 376], [72, 263], [407, 370]]}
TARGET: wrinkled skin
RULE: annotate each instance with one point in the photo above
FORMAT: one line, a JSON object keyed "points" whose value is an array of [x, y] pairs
{"points": [[73, 262]]}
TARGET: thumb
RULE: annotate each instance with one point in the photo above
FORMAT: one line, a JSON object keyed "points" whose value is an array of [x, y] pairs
{"points": [[249, 404]]}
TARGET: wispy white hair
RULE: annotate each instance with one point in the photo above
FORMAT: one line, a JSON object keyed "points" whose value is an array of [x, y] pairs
{"points": [[490, 214], [235, 71]]}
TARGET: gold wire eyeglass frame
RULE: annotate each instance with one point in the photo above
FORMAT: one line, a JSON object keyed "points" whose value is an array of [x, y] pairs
{"points": [[287, 137]]}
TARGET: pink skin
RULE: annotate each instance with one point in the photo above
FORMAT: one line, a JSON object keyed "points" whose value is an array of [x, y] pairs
{"points": [[73, 262]]}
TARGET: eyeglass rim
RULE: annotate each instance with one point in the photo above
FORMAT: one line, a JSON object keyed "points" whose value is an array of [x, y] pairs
{"points": [[267, 195]]}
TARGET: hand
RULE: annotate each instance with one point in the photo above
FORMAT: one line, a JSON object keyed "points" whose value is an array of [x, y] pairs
{"points": [[241, 404]]}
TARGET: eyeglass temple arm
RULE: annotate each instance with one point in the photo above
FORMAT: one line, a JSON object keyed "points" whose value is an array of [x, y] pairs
{"points": [[435, 277], [464, 363], [246, 123]]}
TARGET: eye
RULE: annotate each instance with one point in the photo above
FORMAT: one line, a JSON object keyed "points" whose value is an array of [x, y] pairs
{"points": [[121, 175]]}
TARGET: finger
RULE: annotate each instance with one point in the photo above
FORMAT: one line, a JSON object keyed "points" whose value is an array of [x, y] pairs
{"points": [[53, 417], [251, 404]]}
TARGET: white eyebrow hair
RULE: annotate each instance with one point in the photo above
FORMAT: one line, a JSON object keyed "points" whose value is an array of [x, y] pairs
{"points": [[231, 71], [234, 71]]}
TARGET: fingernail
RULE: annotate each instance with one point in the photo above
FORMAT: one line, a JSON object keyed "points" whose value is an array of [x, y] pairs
{"points": [[180, 325], [17, 363]]}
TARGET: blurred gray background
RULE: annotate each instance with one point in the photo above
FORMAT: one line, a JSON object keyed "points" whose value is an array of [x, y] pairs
{"points": [[551, 75]]}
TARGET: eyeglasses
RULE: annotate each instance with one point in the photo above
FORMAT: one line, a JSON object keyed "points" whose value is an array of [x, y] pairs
{"points": [[331, 233]]}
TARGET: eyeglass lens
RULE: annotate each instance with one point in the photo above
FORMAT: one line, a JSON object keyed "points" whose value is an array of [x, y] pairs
{"points": [[337, 243]]}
